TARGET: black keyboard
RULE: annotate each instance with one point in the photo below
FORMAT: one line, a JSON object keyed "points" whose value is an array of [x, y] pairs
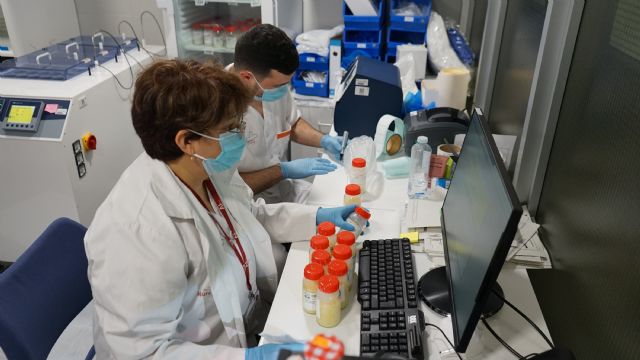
{"points": [[390, 321]]}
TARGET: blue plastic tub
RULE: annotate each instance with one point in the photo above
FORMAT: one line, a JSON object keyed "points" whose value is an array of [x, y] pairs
{"points": [[364, 22], [310, 61], [397, 37], [310, 88], [362, 39], [414, 23]]}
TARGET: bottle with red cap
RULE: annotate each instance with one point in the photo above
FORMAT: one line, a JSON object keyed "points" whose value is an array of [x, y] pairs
{"points": [[328, 301], [318, 242], [358, 173], [321, 257], [328, 229], [231, 36], [347, 238], [339, 269], [359, 219], [197, 34], [352, 195], [343, 252], [312, 273]]}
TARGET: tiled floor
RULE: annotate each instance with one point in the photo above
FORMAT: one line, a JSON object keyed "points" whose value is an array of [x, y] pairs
{"points": [[75, 341]]}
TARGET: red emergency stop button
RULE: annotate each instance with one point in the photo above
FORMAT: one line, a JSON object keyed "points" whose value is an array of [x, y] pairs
{"points": [[89, 141]]}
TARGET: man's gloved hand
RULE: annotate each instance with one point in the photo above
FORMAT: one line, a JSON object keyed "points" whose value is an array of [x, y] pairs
{"points": [[333, 145], [270, 351], [302, 168], [337, 216]]}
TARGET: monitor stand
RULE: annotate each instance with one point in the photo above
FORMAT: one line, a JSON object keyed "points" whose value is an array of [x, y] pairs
{"points": [[433, 289]]}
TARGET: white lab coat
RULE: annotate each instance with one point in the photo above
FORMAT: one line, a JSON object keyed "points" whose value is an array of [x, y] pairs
{"points": [[162, 282], [268, 141]]}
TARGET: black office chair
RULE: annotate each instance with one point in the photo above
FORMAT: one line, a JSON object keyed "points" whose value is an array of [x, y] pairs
{"points": [[43, 291]]}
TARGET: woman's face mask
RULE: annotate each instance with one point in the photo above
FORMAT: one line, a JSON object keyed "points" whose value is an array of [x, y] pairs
{"points": [[269, 95], [232, 146]]}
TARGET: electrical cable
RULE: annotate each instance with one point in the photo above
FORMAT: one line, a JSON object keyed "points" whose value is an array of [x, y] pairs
{"points": [[445, 336], [504, 343], [135, 35], [524, 317], [164, 42], [120, 50]]}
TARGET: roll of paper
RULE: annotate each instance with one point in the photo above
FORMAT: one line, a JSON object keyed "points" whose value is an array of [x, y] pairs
{"points": [[448, 89], [389, 142]]}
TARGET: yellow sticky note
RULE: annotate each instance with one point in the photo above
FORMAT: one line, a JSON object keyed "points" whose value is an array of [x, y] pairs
{"points": [[412, 236]]}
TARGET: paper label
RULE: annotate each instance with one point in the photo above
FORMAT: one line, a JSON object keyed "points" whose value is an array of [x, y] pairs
{"points": [[61, 111], [309, 85], [311, 59], [361, 46], [362, 90], [408, 19], [309, 301], [200, 2], [362, 82]]}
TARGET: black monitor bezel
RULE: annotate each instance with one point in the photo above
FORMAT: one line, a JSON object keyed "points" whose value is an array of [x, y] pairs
{"points": [[461, 340]]}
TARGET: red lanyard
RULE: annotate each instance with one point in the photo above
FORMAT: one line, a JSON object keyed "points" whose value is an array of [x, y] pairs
{"points": [[237, 247]]}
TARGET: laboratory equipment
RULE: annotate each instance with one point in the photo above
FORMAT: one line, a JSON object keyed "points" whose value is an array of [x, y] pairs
{"points": [[476, 241], [359, 219], [440, 125], [312, 273], [370, 90], [322, 257], [72, 141], [347, 238], [318, 242], [389, 320], [328, 301]]}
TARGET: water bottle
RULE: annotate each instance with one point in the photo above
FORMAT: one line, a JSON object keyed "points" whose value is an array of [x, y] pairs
{"points": [[419, 170]]}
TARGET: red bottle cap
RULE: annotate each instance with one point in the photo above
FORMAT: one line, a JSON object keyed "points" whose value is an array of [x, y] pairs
{"points": [[319, 242], [337, 268], [352, 189], [346, 238], [326, 228], [321, 257], [328, 284], [359, 162], [362, 212], [313, 271], [342, 252]]}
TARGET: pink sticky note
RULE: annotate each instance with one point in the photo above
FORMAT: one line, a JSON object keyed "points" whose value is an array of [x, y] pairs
{"points": [[51, 108]]}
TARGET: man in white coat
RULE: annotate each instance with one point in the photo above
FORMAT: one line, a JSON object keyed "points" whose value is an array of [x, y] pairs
{"points": [[180, 257], [266, 60]]}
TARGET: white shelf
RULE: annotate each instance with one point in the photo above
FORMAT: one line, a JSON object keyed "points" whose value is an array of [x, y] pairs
{"points": [[208, 49], [253, 3]]}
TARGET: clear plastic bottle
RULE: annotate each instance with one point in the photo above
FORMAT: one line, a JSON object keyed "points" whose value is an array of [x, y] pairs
{"points": [[359, 219], [208, 35], [347, 238], [343, 252], [318, 242], [419, 168], [218, 36], [328, 229], [352, 195], [197, 34], [312, 273], [328, 302], [339, 269], [321, 257], [359, 173], [231, 36]]}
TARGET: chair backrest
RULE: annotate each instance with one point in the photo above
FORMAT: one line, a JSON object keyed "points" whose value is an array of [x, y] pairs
{"points": [[43, 291]]}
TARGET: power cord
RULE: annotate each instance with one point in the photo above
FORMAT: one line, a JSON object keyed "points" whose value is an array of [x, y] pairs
{"points": [[445, 336], [164, 42], [504, 343], [120, 50]]}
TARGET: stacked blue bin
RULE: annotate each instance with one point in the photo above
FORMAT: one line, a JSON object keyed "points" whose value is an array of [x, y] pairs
{"points": [[363, 35], [312, 62], [406, 29]]}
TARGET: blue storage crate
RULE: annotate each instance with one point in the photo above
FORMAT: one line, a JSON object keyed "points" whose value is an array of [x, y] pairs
{"points": [[309, 61], [362, 39], [390, 58], [364, 22], [414, 23], [310, 88], [350, 54], [397, 37]]}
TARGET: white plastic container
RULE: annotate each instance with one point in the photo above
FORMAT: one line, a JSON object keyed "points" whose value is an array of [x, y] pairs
{"points": [[358, 173], [328, 301], [197, 34], [343, 252], [312, 273], [347, 238], [339, 269], [419, 168], [352, 195], [318, 242], [328, 229], [359, 219]]}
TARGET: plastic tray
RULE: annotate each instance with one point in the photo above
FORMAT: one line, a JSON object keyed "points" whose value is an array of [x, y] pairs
{"points": [[414, 23], [364, 22], [310, 61], [310, 88]]}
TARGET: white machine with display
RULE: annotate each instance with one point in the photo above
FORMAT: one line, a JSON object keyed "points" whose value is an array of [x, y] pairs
{"points": [[63, 145]]}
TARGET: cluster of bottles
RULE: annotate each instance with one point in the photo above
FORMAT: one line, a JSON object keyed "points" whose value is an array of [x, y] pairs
{"points": [[219, 34]]}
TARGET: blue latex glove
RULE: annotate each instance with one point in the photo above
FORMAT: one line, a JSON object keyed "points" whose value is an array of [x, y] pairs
{"points": [[270, 351], [332, 144], [302, 168], [337, 216]]}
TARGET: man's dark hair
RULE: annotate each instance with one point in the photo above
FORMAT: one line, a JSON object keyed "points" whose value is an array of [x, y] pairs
{"points": [[263, 48]]}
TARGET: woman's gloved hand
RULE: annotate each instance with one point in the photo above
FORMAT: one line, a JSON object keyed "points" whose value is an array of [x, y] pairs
{"points": [[337, 216], [271, 351], [333, 145], [302, 168]]}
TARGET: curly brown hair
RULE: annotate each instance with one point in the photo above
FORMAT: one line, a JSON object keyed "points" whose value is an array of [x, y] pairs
{"points": [[172, 95]]}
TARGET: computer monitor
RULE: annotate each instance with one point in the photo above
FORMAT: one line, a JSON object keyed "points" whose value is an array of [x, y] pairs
{"points": [[479, 217]]}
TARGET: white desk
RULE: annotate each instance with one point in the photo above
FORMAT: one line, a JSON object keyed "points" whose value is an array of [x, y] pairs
{"points": [[287, 321]]}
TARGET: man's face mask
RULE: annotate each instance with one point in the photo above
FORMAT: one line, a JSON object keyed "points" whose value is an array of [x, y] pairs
{"points": [[269, 95]]}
